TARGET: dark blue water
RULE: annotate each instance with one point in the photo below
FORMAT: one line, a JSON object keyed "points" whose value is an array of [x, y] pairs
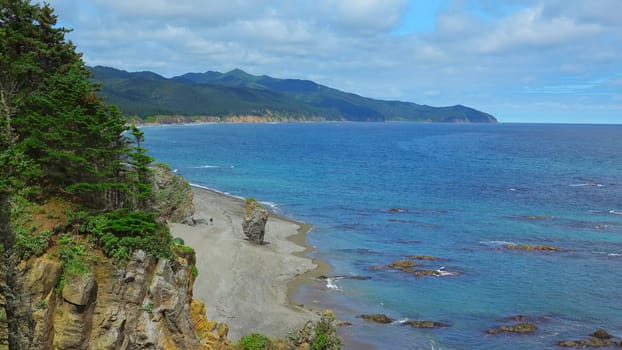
{"points": [[465, 191]]}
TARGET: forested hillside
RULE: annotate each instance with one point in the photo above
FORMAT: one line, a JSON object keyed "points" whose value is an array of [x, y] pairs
{"points": [[237, 93]]}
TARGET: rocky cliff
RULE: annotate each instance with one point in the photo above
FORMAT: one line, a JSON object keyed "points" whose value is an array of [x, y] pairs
{"points": [[173, 197], [146, 304], [141, 303]]}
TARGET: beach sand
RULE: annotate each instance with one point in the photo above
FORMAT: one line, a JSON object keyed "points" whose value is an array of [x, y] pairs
{"points": [[244, 284]]}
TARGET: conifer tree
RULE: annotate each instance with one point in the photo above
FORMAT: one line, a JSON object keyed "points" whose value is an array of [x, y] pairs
{"points": [[50, 114]]}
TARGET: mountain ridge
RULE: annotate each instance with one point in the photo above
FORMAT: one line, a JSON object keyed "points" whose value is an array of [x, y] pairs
{"points": [[237, 93]]}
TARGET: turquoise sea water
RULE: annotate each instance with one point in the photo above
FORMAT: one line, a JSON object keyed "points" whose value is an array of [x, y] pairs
{"points": [[465, 191]]}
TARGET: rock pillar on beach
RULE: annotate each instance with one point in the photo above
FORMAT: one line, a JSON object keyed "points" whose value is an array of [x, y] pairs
{"points": [[255, 219]]}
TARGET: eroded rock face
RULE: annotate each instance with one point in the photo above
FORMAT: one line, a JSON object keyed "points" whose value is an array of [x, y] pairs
{"points": [[172, 194], [255, 218], [145, 304]]}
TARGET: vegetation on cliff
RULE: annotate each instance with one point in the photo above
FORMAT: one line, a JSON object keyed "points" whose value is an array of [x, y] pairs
{"points": [[76, 206], [239, 96], [87, 257]]}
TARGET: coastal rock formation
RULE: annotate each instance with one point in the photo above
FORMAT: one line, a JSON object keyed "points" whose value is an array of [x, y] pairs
{"points": [[521, 328], [255, 218], [146, 304], [598, 339], [426, 324], [539, 247], [172, 195], [378, 318], [408, 266]]}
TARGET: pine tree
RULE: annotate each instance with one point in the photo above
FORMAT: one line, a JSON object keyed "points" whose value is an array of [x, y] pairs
{"points": [[50, 113], [140, 162]]}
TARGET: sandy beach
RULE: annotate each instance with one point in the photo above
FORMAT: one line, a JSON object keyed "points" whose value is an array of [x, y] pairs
{"points": [[244, 284]]}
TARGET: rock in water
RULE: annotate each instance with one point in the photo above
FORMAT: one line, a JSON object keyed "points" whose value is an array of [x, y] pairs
{"points": [[255, 219]]}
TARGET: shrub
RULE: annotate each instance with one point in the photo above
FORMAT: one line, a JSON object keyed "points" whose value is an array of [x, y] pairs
{"points": [[120, 232], [194, 270], [321, 335], [255, 341]]}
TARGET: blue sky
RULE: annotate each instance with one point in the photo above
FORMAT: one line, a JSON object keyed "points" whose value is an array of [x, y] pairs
{"points": [[520, 60]]}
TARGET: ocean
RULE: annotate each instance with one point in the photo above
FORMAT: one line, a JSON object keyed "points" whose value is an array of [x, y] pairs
{"points": [[379, 192]]}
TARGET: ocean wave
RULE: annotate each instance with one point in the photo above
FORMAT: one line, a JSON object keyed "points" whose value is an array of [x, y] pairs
{"points": [[613, 255], [496, 243], [331, 283], [402, 321], [273, 207], [441, 272], [587, 184], [217, 191], [208, 166], [615, 212]]}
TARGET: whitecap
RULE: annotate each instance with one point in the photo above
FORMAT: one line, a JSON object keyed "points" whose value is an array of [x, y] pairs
{"points": [[496, 243], [614, 254], [331, 283], [614, 212], [587, 184], [206, 166], [441, 272], [273, 206], [402, 321]]}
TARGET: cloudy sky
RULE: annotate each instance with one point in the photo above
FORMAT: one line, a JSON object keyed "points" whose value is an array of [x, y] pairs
{"points": [[520, 60]]}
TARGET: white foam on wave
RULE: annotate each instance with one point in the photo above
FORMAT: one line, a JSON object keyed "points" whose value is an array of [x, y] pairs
{"points": [[496, 243], [331, 283], [273, 206], [614, 212], [217, 191], [587, 184], [209, 166], [441, 272], [606, 253], [402, 321]]}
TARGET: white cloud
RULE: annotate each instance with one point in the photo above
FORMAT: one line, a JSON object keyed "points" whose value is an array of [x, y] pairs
{"points": [[528, 29], [478, 51]]}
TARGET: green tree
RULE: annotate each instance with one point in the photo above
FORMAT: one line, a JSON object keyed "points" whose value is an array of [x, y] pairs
{"points": [[50, 113], [140, 162]]}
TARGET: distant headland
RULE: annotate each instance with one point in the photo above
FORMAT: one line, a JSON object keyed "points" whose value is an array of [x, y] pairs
{"points": [[237, 96]]}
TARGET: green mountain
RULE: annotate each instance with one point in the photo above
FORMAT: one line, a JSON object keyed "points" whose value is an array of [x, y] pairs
{"points": [[238, 93]]}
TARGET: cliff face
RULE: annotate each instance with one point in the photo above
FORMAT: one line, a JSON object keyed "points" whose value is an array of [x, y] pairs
{"points": [[143, 303], [146, 304], [173, 197]]}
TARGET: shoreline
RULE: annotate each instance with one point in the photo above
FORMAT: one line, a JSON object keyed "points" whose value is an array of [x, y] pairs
{"points": [[249, 287]]}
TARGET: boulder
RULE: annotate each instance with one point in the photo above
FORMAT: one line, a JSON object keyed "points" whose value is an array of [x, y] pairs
{"points": [[426, 324], [378, 318], [601, 334], [521, 328], [255, 218]]}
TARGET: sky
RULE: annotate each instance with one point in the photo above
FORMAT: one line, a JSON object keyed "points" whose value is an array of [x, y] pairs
{"points": [[555, 61]]}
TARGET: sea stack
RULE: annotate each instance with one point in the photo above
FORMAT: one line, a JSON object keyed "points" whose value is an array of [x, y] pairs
{"points": [[255, 218]]}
